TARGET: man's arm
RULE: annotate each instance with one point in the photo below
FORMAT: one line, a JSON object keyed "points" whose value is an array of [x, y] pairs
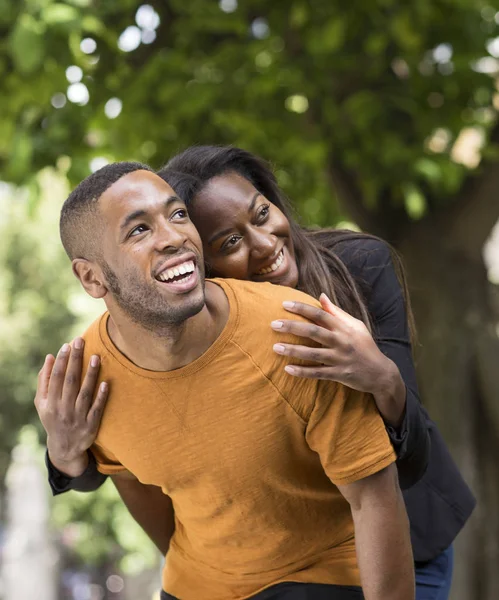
{"points": [[382, 536], [147, 504]]}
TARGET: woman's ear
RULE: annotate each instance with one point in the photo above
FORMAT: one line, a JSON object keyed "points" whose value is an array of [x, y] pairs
{"points": [[90, 276]]}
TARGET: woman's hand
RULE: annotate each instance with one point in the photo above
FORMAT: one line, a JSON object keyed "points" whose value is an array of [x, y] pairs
{"points": [[70, 413], [347, 354]]}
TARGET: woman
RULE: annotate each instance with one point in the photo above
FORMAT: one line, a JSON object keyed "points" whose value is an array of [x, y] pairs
{"points": [[248, 233]]}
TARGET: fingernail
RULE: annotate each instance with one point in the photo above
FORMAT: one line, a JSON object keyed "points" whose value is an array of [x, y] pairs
{"points": [[279, 348], [94, 361], [276, 324], [78, 343], [103, 387], [288, 304], [289, 369], [65, 348]]}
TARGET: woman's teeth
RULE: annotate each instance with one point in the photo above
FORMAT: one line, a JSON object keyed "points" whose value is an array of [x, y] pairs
{"points": [[184, 268], [273, 266]]}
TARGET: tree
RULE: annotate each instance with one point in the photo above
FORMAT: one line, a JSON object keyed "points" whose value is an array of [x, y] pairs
{"points": [[383, 112]]}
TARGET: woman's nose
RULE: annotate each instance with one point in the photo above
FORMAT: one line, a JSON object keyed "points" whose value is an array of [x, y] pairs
{"points": [[262, 244]]}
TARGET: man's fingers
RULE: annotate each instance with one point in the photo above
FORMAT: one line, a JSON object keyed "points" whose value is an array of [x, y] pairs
{"points": [[57, 375], [318, 355], [307, 330], [312, 313], [97, 409], [87, 392]]}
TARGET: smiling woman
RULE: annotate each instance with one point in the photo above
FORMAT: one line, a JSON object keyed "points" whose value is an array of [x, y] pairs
{"points": [[236, 229]]}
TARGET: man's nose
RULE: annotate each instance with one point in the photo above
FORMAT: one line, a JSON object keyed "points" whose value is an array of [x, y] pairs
{"points": [[169, 236]]}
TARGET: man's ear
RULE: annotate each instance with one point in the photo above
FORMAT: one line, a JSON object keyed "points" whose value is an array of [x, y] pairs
{"points": [[90, 276]]}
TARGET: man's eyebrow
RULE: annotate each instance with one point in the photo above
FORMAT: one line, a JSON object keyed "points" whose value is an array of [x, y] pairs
{"points": [[226, 231], [137, 214]]}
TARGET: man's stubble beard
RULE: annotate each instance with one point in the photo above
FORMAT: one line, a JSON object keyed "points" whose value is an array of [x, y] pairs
{"points": [[145, 306]]}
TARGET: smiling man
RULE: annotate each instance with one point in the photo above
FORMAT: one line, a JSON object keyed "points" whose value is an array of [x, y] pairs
{"points": [[251, 482]]}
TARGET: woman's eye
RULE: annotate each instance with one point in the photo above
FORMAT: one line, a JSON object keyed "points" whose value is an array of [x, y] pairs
{"points": [[263, 213], [230, 242], [138, 230]]}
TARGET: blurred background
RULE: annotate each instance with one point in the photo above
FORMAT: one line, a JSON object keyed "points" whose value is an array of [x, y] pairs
{"points": [[378, 114]]}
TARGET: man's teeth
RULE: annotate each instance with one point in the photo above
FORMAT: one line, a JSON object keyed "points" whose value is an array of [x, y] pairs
{"points": [[187, 267], [273, 266]]}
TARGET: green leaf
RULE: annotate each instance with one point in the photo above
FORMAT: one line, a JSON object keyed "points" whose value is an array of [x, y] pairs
{"points": [[429, 169], [26, 44], [415, 202], [60, 14]]}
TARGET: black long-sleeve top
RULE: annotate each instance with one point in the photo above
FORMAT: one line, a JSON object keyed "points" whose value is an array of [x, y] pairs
{"points": [[439, 501]]}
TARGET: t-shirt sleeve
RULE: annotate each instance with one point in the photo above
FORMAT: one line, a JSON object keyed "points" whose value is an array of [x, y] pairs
{"points": [[106, 462], [347, 432]]}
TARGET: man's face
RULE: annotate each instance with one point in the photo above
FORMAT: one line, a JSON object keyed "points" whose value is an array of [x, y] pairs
{"points": [[151, 252]]}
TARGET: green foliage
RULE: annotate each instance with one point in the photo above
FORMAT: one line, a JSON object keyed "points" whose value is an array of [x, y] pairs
{"points": [[302, 83], [34, 317], [97, 527]]}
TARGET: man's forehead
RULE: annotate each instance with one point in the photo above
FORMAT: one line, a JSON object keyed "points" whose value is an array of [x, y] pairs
{"points": [[140, 185]]}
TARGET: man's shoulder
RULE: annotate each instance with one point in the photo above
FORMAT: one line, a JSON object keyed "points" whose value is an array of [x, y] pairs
{"points": [[263, 299], [257, 305], [92, 334]]}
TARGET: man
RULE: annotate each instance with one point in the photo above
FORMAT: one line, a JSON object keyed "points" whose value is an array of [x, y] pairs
{"points": [[267, 474]]}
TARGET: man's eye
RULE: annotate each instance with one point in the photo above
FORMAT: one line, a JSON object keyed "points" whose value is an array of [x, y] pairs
{"points": [[138, 230], [181, 213]]}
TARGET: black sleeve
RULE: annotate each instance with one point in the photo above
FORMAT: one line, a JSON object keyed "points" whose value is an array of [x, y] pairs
{"points": [[88, 481], [370, 263]]}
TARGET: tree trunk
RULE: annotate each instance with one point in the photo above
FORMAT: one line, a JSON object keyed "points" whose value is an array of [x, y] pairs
{"points": [[458, 370]]}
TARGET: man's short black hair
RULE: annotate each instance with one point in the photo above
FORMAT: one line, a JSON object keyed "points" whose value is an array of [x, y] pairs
{"points": [[79, 225]]}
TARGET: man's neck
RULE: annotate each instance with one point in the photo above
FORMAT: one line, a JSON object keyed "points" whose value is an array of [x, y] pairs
{"points": [[175, 346]]}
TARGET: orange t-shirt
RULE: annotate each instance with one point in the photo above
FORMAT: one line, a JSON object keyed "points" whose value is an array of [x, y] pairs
{"points": [[249, 455]]}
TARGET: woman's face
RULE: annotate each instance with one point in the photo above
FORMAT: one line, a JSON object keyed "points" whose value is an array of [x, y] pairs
{"points": [[244, 235]]}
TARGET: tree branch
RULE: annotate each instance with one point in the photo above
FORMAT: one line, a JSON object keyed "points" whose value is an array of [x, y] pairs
{"points": [[350, 197], [477, 208]]}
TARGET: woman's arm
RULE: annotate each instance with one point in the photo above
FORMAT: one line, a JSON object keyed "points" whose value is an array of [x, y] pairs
{"points": [[350, 355], [71, 417]]}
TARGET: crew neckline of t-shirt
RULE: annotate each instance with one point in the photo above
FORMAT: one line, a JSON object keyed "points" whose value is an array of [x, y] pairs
{"points": [[217, 346]]}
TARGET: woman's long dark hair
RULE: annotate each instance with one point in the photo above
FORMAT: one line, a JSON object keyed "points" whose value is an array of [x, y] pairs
{"points": [[320, 268]]}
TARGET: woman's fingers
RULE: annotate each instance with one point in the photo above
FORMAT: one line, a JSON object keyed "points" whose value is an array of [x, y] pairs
{"points": [[72, 379], [97, 408], [57, 375], [327, 305], [308, 330], [87, 392], [312, 313], [324, 356], [42, 388], [318, 372]]}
